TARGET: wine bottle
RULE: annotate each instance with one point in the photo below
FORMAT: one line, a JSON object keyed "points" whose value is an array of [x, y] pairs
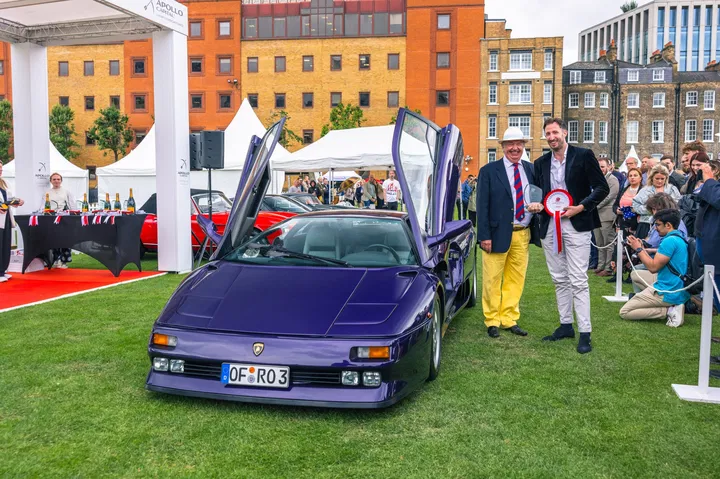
{"points": [[117, 206], [47, 203], [85, 205], [131, 203], [106, 206]]}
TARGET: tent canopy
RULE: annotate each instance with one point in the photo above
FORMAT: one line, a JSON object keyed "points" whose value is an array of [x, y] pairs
{"points": [[340, 175]]}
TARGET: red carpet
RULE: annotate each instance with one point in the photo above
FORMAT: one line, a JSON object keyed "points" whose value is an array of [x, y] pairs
{"points": [[43, 286]]}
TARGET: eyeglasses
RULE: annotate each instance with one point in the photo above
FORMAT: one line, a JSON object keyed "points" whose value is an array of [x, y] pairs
{"points": [[658, 224]]}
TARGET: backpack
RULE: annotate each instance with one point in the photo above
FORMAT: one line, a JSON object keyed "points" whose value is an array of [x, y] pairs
{"points": [[688, 206], [695, 269]]}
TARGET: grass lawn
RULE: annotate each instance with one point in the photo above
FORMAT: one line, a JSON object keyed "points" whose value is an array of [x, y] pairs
{"points": [[73, 403]]}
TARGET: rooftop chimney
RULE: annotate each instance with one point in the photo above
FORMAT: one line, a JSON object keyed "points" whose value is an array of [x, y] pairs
{"points": [[713, 66], [611, 54]]}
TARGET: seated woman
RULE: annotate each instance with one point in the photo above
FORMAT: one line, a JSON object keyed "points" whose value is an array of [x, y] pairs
{"points": [[60, 200], [657, 183], [627, 218]]}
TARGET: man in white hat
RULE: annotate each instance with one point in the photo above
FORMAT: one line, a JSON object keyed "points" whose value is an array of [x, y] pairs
{"points": [[504, 233]]}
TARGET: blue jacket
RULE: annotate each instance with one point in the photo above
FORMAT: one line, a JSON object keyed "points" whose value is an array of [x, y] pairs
{"points": [[466, 191], [707, 222]]}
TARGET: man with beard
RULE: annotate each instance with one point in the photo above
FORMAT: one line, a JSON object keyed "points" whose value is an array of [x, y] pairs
{"points": [[676, 179], [574, 171]]}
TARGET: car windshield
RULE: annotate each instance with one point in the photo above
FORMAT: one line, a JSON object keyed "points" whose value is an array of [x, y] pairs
{"points": [[334, 241], [220, 203], [280, 203], [307, 199]]}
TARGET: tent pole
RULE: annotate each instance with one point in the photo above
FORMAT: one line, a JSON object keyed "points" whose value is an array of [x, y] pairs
{"points": [[330, 185]]}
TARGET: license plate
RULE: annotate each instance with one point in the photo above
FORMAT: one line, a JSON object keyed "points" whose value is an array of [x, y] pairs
{"points": [[255, 375]]}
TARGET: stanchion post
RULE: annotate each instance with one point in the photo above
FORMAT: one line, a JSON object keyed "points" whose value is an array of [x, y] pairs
{"points": [[618, 298]]}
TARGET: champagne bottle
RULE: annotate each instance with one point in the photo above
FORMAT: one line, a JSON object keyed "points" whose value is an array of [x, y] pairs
{"points": [[85, 205], [131, 203], [106, 206], [117, 206], [47, 203]]}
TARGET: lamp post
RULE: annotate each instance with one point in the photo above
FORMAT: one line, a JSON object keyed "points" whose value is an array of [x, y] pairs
{"points": [[467, 159]]}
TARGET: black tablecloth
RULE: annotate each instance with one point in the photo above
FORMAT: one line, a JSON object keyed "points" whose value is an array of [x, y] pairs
{"points": [[114, 245]]}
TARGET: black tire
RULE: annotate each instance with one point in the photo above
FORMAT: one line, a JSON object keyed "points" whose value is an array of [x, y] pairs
{"points": [[472, 301], [436, 338]]}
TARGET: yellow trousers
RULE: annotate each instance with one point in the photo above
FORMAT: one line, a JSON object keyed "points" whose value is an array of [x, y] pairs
{"points": [[503, 280]]}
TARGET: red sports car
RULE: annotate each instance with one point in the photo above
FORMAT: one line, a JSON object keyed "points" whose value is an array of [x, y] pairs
{"points": [[199, 204]]}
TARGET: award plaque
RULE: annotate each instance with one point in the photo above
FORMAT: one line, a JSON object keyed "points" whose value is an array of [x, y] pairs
{"points": [[533, 194], [555, 203]]}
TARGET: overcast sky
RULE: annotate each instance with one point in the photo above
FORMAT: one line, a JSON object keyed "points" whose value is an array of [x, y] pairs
{"points": [[536, 18]]}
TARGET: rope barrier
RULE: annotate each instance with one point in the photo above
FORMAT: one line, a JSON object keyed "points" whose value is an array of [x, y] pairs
{"points": [[715, 287], [701, 278], [606, 246]]}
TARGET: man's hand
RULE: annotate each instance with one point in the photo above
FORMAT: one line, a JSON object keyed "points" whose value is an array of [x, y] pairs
{"points": [[706, 171], [634, 242], [535, 207], [570, 211], [486, 245]]}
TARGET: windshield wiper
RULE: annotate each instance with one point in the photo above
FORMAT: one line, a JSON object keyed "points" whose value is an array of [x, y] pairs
{"points": [[278, 251]]}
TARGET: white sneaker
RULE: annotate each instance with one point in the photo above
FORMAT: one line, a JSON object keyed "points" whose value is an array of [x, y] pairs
{"points": [[63, 266], [676, 316], [8, 276], [3, 279]]}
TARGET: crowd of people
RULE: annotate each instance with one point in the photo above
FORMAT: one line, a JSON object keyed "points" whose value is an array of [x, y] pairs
{"points": [[366, 192]]}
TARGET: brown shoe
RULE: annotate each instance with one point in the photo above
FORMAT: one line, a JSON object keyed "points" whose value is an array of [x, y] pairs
{"points": [[604, 273]]}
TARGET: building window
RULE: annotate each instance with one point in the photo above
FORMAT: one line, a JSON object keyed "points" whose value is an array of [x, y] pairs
{"points": [[393, 61], [659, 100], [364, 99], [548, 60], [2, 67], [658, 131], [520, 93], [138, 67], [708, 130], [443, 98], [224, 65], [89, 68], [602, 132], [196, 29], [279, 24], [572, 131], [492, 94], [253, 99], [493, 62], [64, 100], [364, 62], [520, 60], [691, 98], [574, 100], [88, 140], [589, 100], [307, 100], [279, 64], [658, 74], [224, 28], [547, 92], [492, 155], [335, 99], [89, 103], [63, 69], [443, 21], [633, 75], [308, 136], [393, 99], [225, 101], [633, 100], [632, 132], [114, 67], [279, 100], [599, 77], [575, 77], [197, 101], [139, 103], [443, 60], [335, 63], [196, 66], [690, 130], [492, 126], [115, 101], [308, 63], [252, 64], [604, 97], [589, 132], [140, 136], [522, 122], [250, 28], [709, 100]]}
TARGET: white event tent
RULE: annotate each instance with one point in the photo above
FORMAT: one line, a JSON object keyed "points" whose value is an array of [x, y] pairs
{"points": [[137, 169], [75, 179], [340, 175]]}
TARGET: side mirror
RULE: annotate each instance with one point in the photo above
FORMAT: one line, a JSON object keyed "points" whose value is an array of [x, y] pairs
{"points": [[452, 229], [209, 228]]}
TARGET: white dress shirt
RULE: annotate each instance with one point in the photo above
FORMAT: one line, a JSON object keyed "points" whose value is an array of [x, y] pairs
{"points": [[510, 171], [557, 171]]}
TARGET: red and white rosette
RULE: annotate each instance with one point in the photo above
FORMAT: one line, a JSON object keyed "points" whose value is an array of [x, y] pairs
{"points": [[84, 220], [33, 221], [555, 203], [97, 219], [57, 220]]}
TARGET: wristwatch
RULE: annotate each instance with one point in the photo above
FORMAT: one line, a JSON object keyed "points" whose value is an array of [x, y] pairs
{"points": [[639, 250]]}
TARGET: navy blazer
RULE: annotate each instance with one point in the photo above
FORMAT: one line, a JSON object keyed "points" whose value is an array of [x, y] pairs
{"points": [[707, 224], [585, 182], [495, 205]]}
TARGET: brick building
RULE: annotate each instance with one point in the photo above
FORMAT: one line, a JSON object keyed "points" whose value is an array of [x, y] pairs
{"points": [[522, 85]]}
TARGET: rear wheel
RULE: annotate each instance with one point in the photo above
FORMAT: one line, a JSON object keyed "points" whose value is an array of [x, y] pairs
{"points": [[473, 289], [436, 338]]}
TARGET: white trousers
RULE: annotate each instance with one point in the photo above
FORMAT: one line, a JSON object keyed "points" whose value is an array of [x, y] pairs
{"points": [[569, 273]]}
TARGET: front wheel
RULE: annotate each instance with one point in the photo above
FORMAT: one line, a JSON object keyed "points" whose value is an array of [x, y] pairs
{"points": [[436, 338]]}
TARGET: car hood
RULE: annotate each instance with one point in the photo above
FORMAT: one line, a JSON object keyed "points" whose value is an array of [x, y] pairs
{"points": [[313, 301]]}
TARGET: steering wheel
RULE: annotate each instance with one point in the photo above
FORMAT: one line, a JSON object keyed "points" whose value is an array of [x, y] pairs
{"points": [[386, 248]]}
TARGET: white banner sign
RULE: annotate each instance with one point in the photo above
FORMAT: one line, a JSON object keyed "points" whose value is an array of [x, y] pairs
{"points": [[166, 13]]}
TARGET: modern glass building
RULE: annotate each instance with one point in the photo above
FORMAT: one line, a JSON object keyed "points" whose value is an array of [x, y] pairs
{"points": [[693, 26]]}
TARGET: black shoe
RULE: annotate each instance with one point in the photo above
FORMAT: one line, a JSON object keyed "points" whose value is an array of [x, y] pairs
{"points": [[584, 343], [715, 373], [493, 332], [716, 339], [714, 359], [611, 279], [517, 330], [628, 280], [564, 331]]}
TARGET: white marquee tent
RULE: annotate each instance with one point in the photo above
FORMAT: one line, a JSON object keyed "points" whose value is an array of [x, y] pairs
{"points": [[137, 169], [75, 179], [340, 175]]}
